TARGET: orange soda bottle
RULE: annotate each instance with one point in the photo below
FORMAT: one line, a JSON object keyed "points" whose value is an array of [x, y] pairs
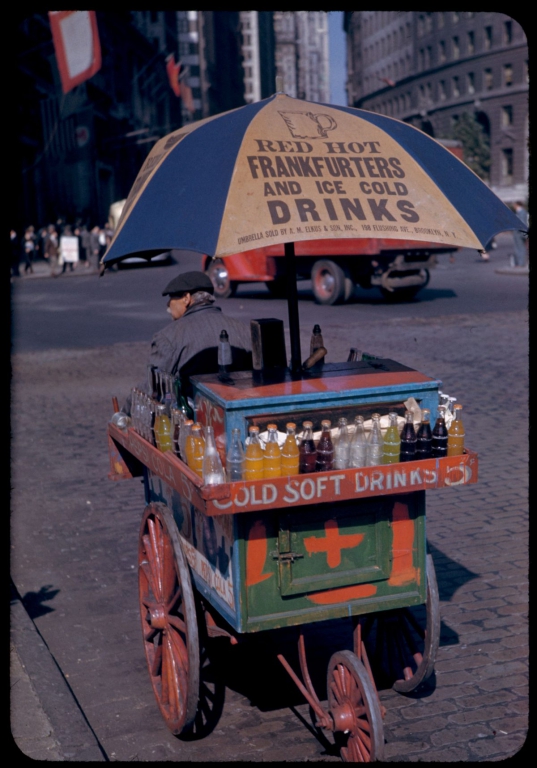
{"points": [[253, 456], [290, 452], [195, 449], [272, 459], [455, 441]]}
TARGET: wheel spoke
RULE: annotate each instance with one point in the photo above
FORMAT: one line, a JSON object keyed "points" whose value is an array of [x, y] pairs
{"points": [[174, 600], [169, 576], [156, 560], [178, 623], [156, 666], [151, 572]]}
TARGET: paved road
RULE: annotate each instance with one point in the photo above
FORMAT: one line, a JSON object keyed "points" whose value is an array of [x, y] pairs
{"points": [[77, 654]]}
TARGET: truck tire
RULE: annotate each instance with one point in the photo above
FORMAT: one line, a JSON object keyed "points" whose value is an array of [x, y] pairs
{"points": [[223, 286], [330, 283]]}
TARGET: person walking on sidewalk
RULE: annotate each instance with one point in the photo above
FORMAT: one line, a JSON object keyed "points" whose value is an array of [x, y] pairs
{"points": [[28, 250], [51, 249], [521, 238]]}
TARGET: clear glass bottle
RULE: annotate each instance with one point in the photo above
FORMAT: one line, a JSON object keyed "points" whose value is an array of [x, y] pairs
{"points": [[342, 445], [212, 469], [375, 442], [224, 354], [177, 420], [186, 430], [253, 456], [358, 447], [235, 457], [408, 438], [195, 449], [425, 436], [163, 429], [325, 449], [455, 442], [440, 435], [307, 449], [272, 456], [290, 452], [392, 442]]}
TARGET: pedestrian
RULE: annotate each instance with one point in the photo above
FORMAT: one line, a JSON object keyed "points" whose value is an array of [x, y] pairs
{"points": [[189, 344], [95, 248], [28, 250], [15, 252], [521, 238], [85, 245], [51, 249], [68, 249]]}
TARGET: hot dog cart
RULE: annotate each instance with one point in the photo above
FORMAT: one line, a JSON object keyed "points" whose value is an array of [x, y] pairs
{"points": [[251, 556]]}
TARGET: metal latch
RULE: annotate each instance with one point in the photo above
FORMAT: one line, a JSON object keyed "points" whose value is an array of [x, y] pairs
{"points": [[286, 557]]}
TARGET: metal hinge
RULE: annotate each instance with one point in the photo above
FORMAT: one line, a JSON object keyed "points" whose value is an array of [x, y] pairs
{"points": [[286, 557]]}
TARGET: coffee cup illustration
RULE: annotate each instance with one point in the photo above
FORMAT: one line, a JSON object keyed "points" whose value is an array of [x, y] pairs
{"points": [[309, 125]]}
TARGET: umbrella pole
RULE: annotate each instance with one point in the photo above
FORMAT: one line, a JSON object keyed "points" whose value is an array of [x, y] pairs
{"points": [[292, 303]]}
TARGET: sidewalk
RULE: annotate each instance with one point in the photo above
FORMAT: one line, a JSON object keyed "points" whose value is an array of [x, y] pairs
{"points": [[42, 269], [46, 721]]}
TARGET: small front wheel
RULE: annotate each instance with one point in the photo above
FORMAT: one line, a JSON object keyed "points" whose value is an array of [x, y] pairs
{"points": [[354, 708], [223, 286], [330, 284]]}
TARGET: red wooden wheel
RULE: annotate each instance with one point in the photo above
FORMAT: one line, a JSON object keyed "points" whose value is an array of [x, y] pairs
{"points": [[354, 709], [402, 644], [168, 613]]}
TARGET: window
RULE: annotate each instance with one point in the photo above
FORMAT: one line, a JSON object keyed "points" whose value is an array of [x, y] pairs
{"points": [[470, 43], [507, 166], [421, 25], [429, 57], [429, 22], [507, 116], [455, 48], [422, 58], [487, 39], [440, 19], [441, 52], [455, 17], [455, 90], [470, 83], [488, 81], [442, 90], [507, 74], [508, 32]]}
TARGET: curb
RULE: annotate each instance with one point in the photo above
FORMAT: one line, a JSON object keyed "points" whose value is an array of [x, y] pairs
{"points": [[513, 271], [71, 731]]}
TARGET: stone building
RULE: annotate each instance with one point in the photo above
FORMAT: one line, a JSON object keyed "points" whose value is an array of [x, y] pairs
{"points": [[429, 68], [301, 40]]}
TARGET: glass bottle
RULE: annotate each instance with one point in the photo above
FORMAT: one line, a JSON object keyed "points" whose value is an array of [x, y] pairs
{"points": [[325, 449], [224, 355], [455, 443], [163, 429], [290, 452], [316, 341], [272, 457], [307, 449], [342, 445], [408, 438], [152, 417], [181, 400], [212, 469], [391, 450], [152, 382], [358, 447], [424, 436], [195, 449], [177, 419], [253, 456], [235, 457], [375, 442], [440, 435], [186, 430]]}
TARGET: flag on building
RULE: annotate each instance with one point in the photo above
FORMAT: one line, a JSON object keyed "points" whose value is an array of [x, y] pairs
{"points": [[77, 46], [173, 73]]}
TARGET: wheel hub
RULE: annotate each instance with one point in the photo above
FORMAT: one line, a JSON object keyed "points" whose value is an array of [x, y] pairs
{"points": [[344, 717], [157, 616]]}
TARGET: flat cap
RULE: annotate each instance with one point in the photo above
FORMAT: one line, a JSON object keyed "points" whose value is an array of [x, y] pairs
{"points": [[189, 282]]}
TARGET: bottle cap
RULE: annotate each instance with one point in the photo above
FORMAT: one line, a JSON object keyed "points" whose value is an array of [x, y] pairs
{"points": [[272, 426], [196, 427], [290, 425], [326, 424], [253, 429], [307, 424], [316, 328]]}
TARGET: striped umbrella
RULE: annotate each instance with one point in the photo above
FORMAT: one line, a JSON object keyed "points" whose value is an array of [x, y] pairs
{"points": [[283, 170]]}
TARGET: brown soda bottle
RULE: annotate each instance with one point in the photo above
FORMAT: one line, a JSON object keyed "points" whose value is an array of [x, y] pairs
{"points": [[325, 449], [424, 436], [440, 435], [408, 439], [307, 450]]}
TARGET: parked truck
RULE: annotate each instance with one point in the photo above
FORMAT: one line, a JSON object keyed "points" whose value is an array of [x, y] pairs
{"points": [[399, 268]]}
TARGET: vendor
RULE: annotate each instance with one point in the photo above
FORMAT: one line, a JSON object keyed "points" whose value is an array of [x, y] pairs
{"points": [[189, 345]]}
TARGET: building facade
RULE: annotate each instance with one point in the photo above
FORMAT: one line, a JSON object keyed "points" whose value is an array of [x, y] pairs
{"points": [[429, 68], [301, 53]]}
